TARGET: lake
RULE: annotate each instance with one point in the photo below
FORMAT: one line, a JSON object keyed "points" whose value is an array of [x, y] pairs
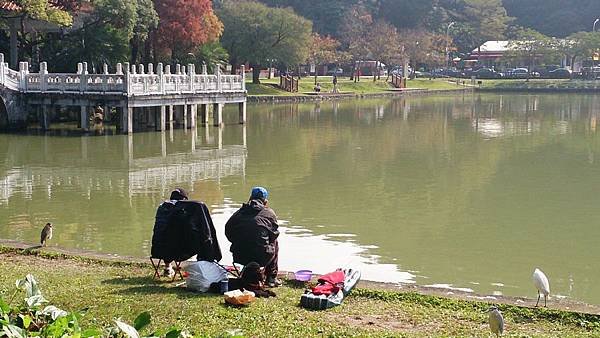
{"points": [[469, 191]]}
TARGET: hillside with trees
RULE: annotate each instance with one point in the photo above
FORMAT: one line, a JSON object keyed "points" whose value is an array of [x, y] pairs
{"points": [[286, 32]]}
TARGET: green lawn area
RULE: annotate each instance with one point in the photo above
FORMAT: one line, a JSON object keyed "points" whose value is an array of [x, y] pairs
{"points": [[113, 290], [540, 84], [365, 86]]}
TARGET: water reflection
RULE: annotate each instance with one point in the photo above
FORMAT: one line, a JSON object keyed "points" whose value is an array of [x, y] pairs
{"points": [[465, 191]]}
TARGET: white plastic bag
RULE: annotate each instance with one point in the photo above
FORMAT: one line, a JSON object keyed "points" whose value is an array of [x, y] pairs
{"points": [[202, 274]]}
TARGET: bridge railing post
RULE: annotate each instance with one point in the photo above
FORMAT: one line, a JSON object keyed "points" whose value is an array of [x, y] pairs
{"points": [[126, 81], [191, 73], [243, 75], [83, 77], [23, 70], [161, 77], [43, 76], [218, 74], [2, 71]]}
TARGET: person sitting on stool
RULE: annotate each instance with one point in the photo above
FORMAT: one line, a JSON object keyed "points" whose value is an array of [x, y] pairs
{"points": [[253, 233]]}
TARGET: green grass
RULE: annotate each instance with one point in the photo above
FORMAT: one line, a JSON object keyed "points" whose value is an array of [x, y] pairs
{"points": [[112, 290], [365, 86], [540, 84]]}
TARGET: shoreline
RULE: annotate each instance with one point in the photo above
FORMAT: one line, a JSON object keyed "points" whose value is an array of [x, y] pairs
{"points": [[53, 252], [540, 90], [330, 97]]}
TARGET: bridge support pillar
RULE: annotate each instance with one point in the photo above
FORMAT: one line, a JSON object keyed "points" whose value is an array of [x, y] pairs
{"points": [[242, 111], [193, 115], [186, 123], [44, 118], [127, 120], [151, 117], [204, 113], [170, 120], [84, 119], [163, 118], [217, 114]]}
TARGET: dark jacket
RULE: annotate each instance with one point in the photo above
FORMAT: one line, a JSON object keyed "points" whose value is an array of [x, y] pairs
{"points": [[252, 231], [183, 229]]}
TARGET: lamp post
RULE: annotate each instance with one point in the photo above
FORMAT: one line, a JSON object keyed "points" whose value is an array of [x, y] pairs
{"points": [[271, 66], [594, 26], [447, 42]]}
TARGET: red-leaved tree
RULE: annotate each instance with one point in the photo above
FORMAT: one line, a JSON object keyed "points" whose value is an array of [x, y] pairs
{"points": [[184, 26]]}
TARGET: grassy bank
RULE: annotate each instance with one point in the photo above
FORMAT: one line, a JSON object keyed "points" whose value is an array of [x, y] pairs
{"points": [[537, 84], [364, 86], [112, 290]]}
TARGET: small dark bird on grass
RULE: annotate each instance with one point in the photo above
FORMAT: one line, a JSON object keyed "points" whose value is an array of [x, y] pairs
{"points": [[46, 234]]}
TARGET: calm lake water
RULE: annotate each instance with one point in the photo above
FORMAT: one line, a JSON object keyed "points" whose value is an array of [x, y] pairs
{"points": [[469, 191]]}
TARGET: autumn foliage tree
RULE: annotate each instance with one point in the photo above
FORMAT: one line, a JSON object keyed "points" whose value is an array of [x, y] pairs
{"points": [[184, 26], [323, 49]]}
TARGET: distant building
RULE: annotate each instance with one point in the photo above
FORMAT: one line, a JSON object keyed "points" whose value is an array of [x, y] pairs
{"points": [[493, 54]]}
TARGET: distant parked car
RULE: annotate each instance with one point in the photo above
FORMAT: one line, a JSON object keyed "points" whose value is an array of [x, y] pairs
{"points": [[337, 71], [519, 73], [560, 73], [486, 73]]}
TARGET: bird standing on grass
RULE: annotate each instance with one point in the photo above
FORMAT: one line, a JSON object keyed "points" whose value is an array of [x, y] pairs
{"points": [[46, 234], [496, 321], [542, 285]]}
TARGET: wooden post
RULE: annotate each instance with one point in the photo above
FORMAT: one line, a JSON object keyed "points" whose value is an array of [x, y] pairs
{"points": [[242, 112], [217, 114], [171, 113]]}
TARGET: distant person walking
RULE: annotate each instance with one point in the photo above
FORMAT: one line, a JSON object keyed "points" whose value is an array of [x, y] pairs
{"points": [[335, 82]]}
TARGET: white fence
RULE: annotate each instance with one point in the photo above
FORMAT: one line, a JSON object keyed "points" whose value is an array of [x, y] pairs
{"points": [[129, 81]]}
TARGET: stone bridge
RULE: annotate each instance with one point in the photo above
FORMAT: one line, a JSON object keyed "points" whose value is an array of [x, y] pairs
{"points": [[157, 96]]}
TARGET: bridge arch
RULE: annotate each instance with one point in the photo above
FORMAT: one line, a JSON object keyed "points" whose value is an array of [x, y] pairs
{"points": [[3, 115]]}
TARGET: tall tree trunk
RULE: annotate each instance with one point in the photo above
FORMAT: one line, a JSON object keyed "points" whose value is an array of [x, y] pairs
{"points": [[255, 73], [134, 50]]}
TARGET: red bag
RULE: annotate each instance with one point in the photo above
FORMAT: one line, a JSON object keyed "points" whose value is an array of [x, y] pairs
{"points": [[330, 283]]}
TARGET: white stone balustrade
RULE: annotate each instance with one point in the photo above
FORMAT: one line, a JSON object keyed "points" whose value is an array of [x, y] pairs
{"points": [[127, 80]]}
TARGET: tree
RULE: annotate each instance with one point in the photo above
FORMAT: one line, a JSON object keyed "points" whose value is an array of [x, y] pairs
{"points": [[147, 20], [530, 46], [184, 26], [103, 37], [41, 10], [423, 47], [254, 33], [580, 45], [475, 21], [558, 18], [384, 45], [355, 34], [406, 13], [323, 49], [20, 17], [327, 16]]}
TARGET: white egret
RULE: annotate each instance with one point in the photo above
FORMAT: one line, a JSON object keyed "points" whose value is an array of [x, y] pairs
{"points": [[496, 321], [543, 286]]}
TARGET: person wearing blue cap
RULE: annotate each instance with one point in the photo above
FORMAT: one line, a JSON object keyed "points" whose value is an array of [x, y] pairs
{"points": [[253, 233]]}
